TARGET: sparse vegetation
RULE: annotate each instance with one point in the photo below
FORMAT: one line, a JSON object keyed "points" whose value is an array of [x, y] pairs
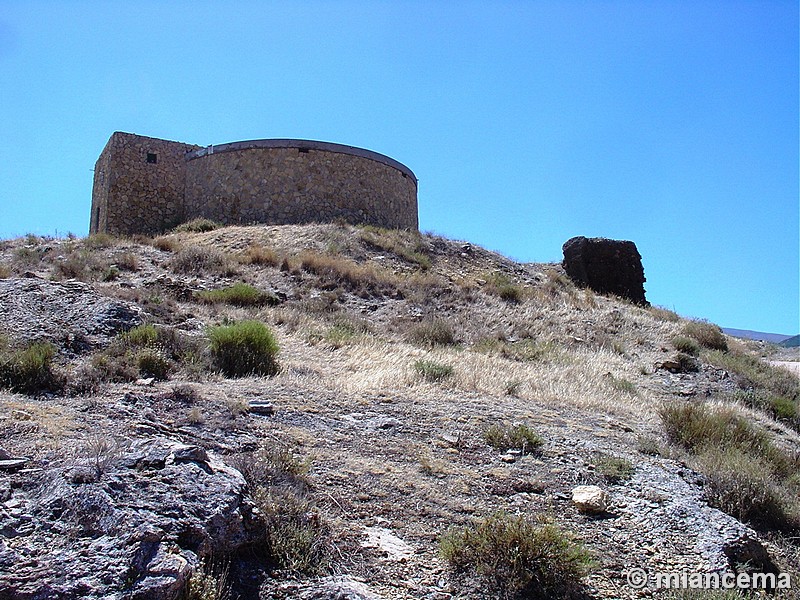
{"points": [[664, 314], [242, 349], [297, 539], [28, 368], [517, 436], [198, 225], [147, 351], [433, 371], [686, 345], [707, 335], [408, 245], [238, 294], [501, 285], [201, 260], [613, 468], [515, 558], [256, 254], [432, 332], [762, 385], [748, 476]]}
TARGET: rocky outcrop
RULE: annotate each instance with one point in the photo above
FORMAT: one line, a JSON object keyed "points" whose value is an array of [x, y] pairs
{"points": [[606, 266], [134, 525], [62, 312]]}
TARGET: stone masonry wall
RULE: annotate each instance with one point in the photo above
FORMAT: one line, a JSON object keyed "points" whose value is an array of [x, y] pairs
{"points": [[139, 185], [299, 185], [148, 185]]}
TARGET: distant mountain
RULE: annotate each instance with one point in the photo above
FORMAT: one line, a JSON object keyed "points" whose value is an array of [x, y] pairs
{"points": [[792, 342], [774, 338]]}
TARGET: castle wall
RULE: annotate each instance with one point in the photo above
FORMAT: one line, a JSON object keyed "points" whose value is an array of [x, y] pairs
{"points": [[293, 181], [139, 185], [148, 185]]}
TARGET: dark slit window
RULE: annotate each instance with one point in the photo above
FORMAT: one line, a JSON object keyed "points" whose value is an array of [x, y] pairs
{"points": [[152, 158]]}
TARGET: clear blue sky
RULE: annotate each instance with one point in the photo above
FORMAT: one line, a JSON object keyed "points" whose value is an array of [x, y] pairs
{"points": [[672, 124]]}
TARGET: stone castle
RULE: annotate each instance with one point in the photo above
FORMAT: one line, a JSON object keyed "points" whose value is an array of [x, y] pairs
{"points": [[149, 185]]}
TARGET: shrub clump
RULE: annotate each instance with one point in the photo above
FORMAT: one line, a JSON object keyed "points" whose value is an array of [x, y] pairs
{"points": [[686, 345], [707, 334], [245, 348], [297, 539], [518, 436], [432, 332], [28, 369], [433, 371], [515, 558], [747, 475], [147, 351], [198, 260], [500, 285], [198, 225], [238, 294], [613, 468]]}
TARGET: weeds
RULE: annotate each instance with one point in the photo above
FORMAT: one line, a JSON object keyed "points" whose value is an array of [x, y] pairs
{"points": [[763, 386], [259, 255], [239, 294], [245, 348], [199, 260], [432, 332], [515, 558], [664, 314], [747, 475], [433, 371], [408, 245], [296, 537], [28, 369], [707, 335], [518, 436], [614, 469], [686, 345], [500, 285], [198, 225]]}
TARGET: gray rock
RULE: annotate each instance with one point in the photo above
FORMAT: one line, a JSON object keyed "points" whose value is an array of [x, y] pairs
{"points": [[62, 312], [136, 530]]}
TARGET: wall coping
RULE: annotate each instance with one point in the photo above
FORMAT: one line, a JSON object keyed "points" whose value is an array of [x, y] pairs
{"points": [[302, 144]]}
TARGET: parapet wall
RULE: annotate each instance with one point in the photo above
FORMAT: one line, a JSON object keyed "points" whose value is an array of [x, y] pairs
{"points": [[148, 185]]}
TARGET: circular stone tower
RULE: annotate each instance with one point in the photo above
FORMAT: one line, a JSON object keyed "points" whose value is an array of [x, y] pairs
{"points": [[298, 181]]}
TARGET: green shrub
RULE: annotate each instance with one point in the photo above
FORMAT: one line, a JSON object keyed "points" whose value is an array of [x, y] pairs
{"points": [[152, 363], [500, 285], [687, 363], [623, 385], [513, 437], [198, 225], [613, 468], [246, 348], [686, 345], [432, 332], [515, 558], [433, 371], [28, 369], [238, 294], [707, 334]]}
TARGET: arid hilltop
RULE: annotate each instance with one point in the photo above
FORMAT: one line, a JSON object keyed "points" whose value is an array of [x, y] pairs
{"points": [[331, 411]]}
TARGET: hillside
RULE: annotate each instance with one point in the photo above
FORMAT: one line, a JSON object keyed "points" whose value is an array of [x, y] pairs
{"points": [[421, 384]]}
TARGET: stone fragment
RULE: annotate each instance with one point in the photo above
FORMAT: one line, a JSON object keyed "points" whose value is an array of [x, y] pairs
{"points": [[260, 407], [606, 266], [590, 499]]}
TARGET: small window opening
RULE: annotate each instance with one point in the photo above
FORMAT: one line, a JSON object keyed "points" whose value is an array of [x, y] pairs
{"points": [[97, 217], [303, 150], [152, 158]]}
